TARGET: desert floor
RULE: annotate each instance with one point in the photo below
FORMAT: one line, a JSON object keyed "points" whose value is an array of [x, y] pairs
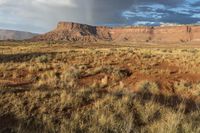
{"points": [[97, 88]]}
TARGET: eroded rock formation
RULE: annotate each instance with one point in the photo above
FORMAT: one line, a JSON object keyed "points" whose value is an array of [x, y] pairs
{"points": [[69, 31]]}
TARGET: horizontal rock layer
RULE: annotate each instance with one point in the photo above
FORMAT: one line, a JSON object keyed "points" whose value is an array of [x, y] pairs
{"points": [[68, 31]]}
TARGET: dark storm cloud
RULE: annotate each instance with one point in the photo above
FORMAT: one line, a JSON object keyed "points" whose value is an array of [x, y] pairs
{"points": [[196, 4], [42, 15], [109, 11], [182, 13]]}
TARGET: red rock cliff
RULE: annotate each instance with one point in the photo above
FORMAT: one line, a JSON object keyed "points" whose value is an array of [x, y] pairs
{"points": [[69, 31]]}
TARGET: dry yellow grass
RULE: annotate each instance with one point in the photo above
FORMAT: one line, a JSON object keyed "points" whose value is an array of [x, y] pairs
{"points": [[98, 88]]}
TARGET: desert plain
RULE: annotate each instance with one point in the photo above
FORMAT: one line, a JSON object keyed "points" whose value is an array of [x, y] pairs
{"points": [[99, 87]]}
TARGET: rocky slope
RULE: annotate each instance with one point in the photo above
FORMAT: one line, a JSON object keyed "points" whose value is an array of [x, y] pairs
{"points": [[68, 31], [15, 35]]}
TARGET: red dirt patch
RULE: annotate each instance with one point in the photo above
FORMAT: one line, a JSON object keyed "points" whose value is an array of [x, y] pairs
{"points": [[15, 83]]}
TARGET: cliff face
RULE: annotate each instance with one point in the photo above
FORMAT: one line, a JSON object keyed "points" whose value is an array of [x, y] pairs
{"points": [[157, 34], [195, 33], [68, 31]]}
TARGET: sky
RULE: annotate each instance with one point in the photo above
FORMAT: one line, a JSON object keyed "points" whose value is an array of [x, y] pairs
{"points": [[41, 16]]}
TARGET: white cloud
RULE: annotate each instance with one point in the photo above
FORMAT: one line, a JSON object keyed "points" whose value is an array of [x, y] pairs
{"points": [[57, 2], [43, 15], [144, 23], [2, 2], [31, 14]]}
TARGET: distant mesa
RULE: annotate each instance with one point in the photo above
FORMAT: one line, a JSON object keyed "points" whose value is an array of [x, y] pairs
{"points": [[69, 31], [73, 32], [15, 35]]}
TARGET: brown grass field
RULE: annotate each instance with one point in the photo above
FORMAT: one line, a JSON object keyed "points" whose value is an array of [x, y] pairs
{"points": [[99, 88]]}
